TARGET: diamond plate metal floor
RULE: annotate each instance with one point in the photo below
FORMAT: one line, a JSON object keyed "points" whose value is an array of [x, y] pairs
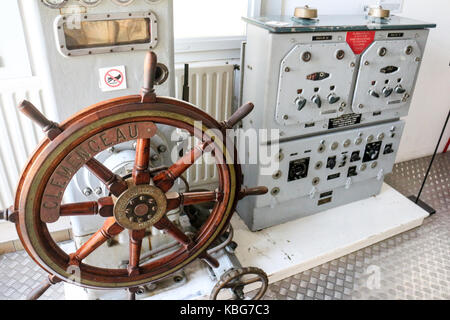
{"points": [[19, 275], [412, 265]]}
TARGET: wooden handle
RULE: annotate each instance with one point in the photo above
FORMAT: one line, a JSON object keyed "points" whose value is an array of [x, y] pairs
{"points": [[258, 191], [28, 109], [50, 128], [43, 287], [150, 64], [9, 214], [40, 290], [240, 114]]}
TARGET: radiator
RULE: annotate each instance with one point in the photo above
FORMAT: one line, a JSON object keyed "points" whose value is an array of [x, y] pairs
{"points": [[19, 136], [211, 89]]}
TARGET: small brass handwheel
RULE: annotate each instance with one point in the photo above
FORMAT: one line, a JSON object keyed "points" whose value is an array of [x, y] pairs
{"points": [[233, 280]]}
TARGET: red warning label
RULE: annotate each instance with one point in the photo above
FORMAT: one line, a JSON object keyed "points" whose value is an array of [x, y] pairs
{"points": [[360, 40]]}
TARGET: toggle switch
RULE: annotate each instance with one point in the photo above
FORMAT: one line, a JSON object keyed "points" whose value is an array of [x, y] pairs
{"points": [[316, 99], [399, 89], [332, 98], [300, 102], [387, 91], [373, 93]]}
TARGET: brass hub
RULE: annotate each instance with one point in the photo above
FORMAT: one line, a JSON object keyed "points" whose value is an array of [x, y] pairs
{"points": [[140, 207]]}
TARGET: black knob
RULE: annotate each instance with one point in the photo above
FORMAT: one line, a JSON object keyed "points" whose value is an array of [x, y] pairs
{"points": [[373, 93], [399, 89], [332, 98], [300, 102], [316, 99], [387, 91]]}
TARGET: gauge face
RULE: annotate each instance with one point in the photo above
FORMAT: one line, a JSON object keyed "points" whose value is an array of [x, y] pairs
{"points": [[123, 2], [54, 3], [90, 3]]}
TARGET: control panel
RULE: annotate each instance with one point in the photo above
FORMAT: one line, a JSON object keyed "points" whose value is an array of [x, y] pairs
{"points": [[315, 83], [387, 75], [317, 165], [332, 73], [335, 87]]}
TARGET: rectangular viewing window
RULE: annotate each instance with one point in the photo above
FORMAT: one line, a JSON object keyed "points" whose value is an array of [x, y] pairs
{"points": [[108, 33]]}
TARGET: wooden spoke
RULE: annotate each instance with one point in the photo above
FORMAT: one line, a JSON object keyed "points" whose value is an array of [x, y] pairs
{"points": [[114, 183], [258, 191], [104, 207], [240, 114], [50, 128], [43, 287], [167, 225], [166, 179], [141, 174], [148, 91], [136, 237], [110, 229], [174, 199]]}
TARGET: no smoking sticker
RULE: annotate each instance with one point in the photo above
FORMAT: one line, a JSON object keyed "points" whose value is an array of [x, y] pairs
{"points": [[113, 78]]}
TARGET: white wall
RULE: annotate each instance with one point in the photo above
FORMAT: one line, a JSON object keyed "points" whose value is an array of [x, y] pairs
{"points": [[431, 100]]}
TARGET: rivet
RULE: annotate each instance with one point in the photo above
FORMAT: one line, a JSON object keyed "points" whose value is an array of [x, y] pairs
{"points": [[306, 56], [275, 191]]}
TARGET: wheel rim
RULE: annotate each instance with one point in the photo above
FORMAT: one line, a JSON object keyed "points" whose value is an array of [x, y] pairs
{"points": [[34, 232]]}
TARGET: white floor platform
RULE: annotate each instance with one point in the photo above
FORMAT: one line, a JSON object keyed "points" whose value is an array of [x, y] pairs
{"points": [[293, 247]]}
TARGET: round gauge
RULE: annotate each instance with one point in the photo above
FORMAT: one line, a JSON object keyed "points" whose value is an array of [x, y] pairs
{"points": [[90, 3], [123, 2], [55, 4], [153, 1]]}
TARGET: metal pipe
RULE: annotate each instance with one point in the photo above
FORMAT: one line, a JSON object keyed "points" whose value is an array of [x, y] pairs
{"points": [[241, 82], [225, 243], [154, 252]]}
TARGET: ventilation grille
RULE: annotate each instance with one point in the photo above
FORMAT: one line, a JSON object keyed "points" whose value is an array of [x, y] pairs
{"points": [[211, 89], [19, 138]]}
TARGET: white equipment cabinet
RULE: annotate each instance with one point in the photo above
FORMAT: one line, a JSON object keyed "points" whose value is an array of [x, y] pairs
{"points": [[335, 87]]}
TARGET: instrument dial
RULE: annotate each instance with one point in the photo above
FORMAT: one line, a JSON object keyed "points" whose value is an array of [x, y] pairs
{"points": [[123, 2], [90, 3], [54, 4]]}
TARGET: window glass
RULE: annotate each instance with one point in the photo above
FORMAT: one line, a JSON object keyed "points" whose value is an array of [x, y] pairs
{"points": [[107, 33], [209, 18]]}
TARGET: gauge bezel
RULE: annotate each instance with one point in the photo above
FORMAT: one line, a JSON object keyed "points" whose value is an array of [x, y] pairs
{"points": [[82, 2], [154, 1], [127, 3], [54, 6]]}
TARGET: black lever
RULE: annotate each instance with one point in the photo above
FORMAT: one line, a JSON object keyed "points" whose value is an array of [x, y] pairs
{"points": [[186, 83]]}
